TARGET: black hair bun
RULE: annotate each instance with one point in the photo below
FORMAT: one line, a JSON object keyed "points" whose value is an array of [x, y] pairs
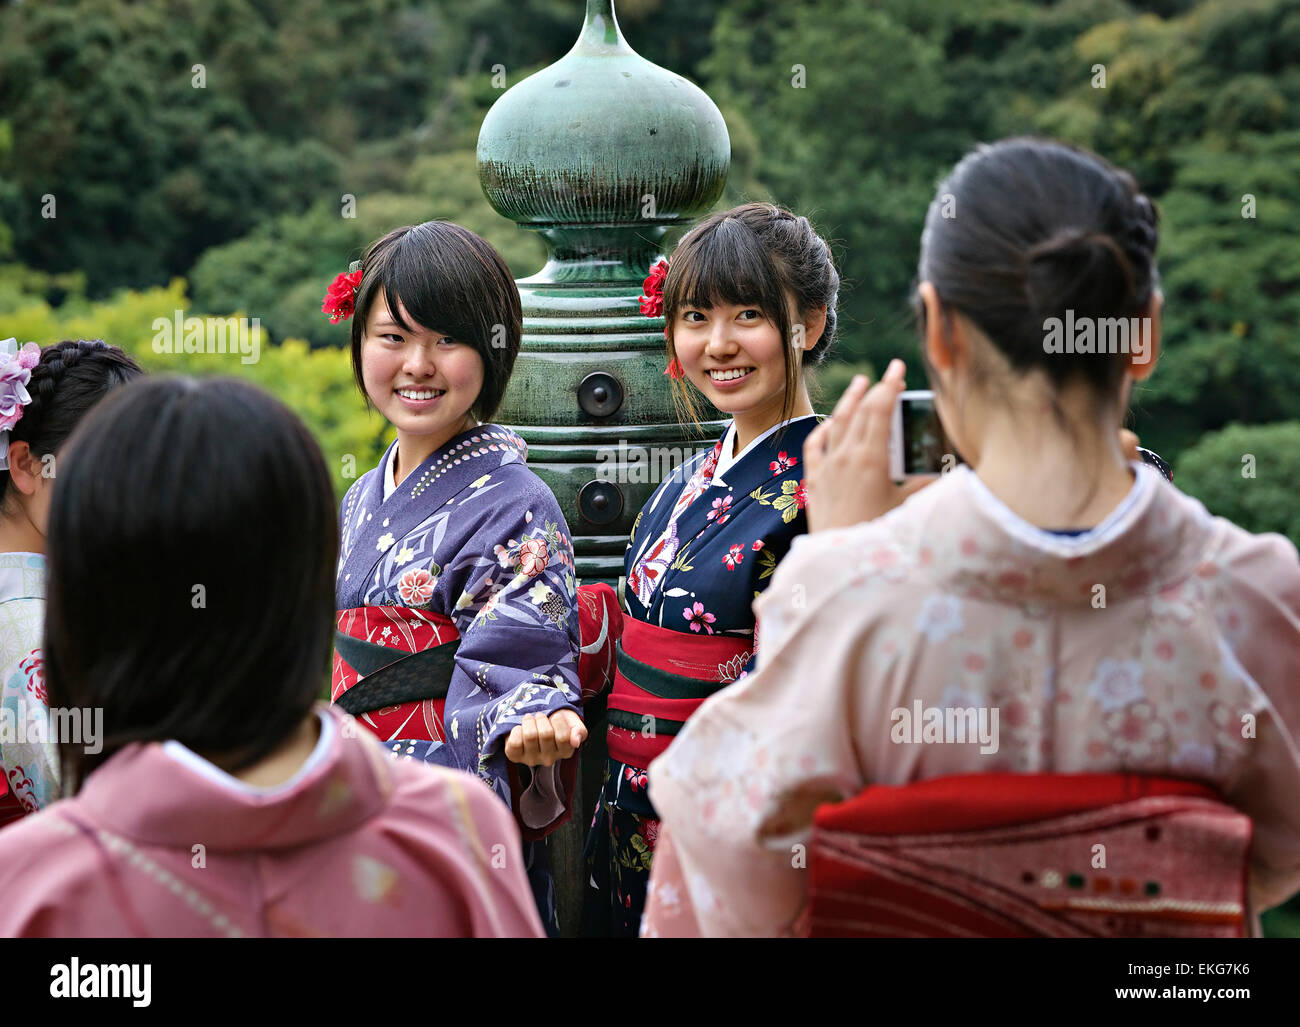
{"points": [[1078, 270]]}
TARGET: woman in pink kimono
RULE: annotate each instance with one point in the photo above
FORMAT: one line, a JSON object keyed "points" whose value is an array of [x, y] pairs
{"points": [[209, 793], [1113, 623]]}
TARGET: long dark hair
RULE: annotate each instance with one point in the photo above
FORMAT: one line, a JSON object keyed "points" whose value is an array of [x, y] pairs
{"points": [[192, 542], [754, 253], [70, 378]]}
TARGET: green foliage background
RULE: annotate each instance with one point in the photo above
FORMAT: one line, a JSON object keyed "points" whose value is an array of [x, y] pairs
{"points": [[227, 199]]}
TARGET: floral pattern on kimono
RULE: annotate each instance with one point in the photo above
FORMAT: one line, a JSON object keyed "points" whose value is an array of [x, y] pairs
{"points": [[1163, 642], [701, 550], [30, 764], [474, 535]]}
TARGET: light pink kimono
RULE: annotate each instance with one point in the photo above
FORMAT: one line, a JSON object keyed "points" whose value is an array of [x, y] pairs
{"points": [[1163, 642], [161, 843]]}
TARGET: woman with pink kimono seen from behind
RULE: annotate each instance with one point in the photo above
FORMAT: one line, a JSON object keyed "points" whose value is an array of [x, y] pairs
{"points": [[190, 603], [1114, 624]]}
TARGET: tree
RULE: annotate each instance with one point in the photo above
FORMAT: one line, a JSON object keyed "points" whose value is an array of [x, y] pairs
{"points": [[1247, 474]]}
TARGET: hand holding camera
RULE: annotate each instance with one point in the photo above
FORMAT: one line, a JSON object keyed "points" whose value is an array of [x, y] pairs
{"points": [[851, 472], [881, 444]]}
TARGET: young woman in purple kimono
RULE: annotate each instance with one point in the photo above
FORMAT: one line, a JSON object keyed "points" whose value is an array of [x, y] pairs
{"points": [[209, 792], [458, 628], [749, 303]]}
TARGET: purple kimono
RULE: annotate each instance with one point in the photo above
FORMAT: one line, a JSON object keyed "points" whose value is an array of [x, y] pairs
{"points": [[464, 574]]}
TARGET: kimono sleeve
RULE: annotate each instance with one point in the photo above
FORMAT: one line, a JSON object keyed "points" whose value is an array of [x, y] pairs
{"points": [[738, 787], [500, 903], [668, 909], [1264, 598], [515, 606]]}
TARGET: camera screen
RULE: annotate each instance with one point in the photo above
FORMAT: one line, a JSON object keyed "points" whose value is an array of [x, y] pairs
{"points": [[923, 440]]}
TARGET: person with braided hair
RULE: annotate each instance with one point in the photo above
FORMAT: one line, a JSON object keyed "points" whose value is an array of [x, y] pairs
{"points": [[44, 394], [1093, 618]]}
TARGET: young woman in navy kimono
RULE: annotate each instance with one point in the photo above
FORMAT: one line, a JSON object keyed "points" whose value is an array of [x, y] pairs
{"points": [[458, 626], [749, 303]]}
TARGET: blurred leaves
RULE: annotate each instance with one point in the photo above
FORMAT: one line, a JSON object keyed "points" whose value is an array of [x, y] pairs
{"points": [[1215, 471], [316, 384], [238, 187]]}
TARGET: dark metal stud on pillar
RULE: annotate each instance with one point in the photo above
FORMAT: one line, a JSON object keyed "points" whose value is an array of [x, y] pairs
{"points": [[601, 153]]}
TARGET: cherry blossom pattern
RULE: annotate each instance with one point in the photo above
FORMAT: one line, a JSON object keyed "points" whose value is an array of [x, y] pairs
{"points": [[733, 556], [533, 557], [1136, 733], [404, 555], [416, 587], [1116, 683], [782, 463], [549, 602], [533, 554], [940, 617], [698, 618], [721, 509]]}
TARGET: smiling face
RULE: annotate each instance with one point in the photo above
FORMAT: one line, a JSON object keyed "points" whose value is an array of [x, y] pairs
{"points": [[423, 381], [734, 355]]}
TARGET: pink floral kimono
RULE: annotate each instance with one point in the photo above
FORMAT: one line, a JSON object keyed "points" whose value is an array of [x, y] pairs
{"points": [[161, 843], [1162, 642]]}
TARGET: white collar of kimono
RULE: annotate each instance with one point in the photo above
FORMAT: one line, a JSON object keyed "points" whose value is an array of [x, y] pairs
{"points": [[726, 461], [1116, 522], [189, 758], [390, 481]]}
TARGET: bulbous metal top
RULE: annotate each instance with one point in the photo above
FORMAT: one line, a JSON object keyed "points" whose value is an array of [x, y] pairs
{"points": [[603, 137]]}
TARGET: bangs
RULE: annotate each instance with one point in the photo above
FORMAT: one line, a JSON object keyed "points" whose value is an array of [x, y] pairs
{"points": [[431, 288], [726, 264]]}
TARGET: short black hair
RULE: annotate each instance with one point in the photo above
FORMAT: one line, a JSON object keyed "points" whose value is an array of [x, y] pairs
{"points": [[70, 378], [191, 549], [451, 280]]}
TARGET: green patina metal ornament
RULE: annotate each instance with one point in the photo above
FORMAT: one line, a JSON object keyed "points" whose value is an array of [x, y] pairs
{"points": [[601, 153]]}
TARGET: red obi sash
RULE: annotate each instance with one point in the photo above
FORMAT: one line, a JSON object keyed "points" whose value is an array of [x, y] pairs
{"points": [[392, 664], [392, 667], [662, 678], [1015, 856]]}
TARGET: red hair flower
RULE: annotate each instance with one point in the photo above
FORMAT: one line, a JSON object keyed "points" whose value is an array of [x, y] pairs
{"points": [[674, 369], [652, 303], [340, 298]]}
